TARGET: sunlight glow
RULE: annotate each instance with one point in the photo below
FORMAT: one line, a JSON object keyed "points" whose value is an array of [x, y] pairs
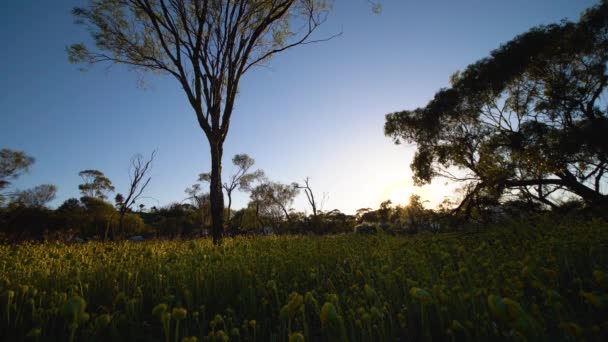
{"points": [[401, 195], [398, 192]]}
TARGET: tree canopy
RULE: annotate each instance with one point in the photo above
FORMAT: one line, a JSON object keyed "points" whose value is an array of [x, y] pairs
{"points": [[526, 121], [96, 184], [12, 165], [37, 197]]}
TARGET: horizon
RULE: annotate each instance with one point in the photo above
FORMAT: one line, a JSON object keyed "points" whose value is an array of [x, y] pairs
{"points": [[71, 120]]}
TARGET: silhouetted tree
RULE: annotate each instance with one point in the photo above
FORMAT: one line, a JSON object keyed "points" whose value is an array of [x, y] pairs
{"points": [[72, 215], [12, 165], [310, 196], [140, 169], [273, 200], [101, 216], [206, 45], [37, 197], [200, 200], [526, 121], [96, 184], [241, 179]]}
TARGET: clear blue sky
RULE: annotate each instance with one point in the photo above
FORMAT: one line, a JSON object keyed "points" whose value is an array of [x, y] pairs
{"points": [[316, 111]]}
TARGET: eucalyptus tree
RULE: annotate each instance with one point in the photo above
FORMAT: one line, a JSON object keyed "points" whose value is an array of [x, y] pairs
{"points": [[12, 165], [96, 184], [274, 200], [206, 45], [36, 197], [529, 120], [242, 179]]}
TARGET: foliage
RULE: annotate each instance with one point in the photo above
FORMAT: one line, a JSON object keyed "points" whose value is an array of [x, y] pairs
{"points": [[96, 184], [272, 200], [37, 197], [526, 121], [12, 165], [241, 179], [19, 222], [533, 281]]}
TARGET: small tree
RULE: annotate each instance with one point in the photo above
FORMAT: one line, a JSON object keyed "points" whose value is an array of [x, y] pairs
{"points": [[96, 184], [37, 197], [241, 179], [138, 183], [100, 216], [200, 200], [314, 205], [273, 200]]}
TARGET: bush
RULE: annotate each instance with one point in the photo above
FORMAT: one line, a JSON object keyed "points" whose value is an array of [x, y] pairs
{"points": [[368, 228]]}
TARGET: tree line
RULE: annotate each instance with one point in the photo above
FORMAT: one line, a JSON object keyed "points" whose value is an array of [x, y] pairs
{"points": [[25, 215]]}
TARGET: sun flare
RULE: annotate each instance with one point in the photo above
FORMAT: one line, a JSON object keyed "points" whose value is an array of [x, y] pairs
{"points": [[400, 195]]}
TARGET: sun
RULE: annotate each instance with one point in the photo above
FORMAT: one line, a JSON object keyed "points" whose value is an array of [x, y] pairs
{"points": [[400, 195]]}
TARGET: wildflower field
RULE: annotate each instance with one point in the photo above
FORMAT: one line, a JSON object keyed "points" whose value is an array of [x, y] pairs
{"points": [[534, 281]]}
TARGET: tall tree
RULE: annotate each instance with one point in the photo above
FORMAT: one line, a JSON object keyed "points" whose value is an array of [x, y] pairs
{"points": [[12, 165], [242, 179], [206, 45], [138, 181], [527, 121], [96, 184]]}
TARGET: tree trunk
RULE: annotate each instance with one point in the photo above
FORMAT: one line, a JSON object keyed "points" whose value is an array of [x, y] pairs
{"points": [[216, 194], [229, 193], [120, 221]]}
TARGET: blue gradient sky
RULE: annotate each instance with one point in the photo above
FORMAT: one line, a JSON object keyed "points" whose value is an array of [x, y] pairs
{"points": [[316, 111]]}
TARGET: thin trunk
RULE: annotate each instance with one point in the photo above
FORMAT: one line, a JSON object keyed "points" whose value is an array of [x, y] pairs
{"points": [[229, 193], [215, 192]]}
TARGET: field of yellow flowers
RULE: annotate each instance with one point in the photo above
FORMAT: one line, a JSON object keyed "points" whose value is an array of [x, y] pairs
{"points": [[532, 281]]}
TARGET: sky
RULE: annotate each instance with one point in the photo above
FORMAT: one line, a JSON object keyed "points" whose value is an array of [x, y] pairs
{"points": [[314, 111]]}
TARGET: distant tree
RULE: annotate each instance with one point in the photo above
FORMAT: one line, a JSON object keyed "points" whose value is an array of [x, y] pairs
{"points": [[206, 45], [385, 210], [71, 204], [175, 219], [241, 179], [414, 212], [139, 180], [272, 199], [333, 221], [72, 215], [96, 184], [100, 215], [12, 165], [310, 196], [37, 197], [527, 121], [200, 200], [360, 212]]}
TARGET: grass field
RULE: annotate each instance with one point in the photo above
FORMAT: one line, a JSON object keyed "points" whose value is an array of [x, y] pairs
{"points": [[541, 281]]}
